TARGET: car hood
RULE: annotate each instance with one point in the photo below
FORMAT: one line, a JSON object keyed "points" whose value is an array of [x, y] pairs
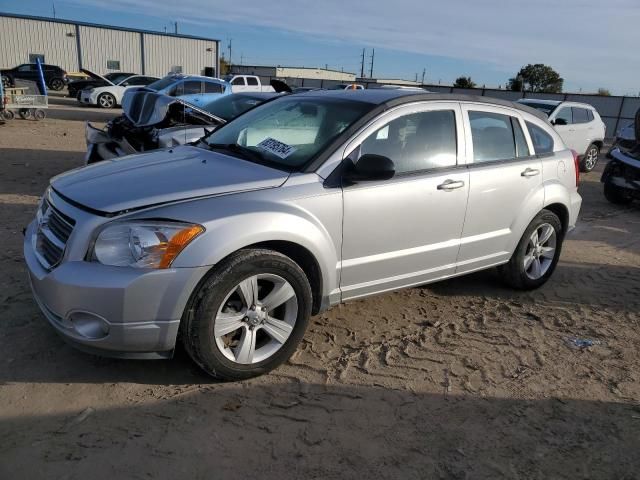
{"points": [[95, 76], [164, 176], [147, 108]]}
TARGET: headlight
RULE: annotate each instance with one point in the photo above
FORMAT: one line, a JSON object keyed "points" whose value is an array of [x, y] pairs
{"points": [[143, 244]]}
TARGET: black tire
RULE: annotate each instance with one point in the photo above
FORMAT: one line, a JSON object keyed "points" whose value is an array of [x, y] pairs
{"points": [[513, 273], [39, 114], [106, 100], [6, 82], [56, 84], [24, 113], [197, 327], [8, 114], [617, 195], [588, 163]]}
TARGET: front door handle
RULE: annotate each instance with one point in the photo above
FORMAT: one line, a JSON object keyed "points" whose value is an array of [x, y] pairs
{"points": [[449, 185], [530, 172]]}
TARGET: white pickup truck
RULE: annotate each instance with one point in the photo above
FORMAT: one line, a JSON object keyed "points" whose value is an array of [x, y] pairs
{"points": [[247, 83]]}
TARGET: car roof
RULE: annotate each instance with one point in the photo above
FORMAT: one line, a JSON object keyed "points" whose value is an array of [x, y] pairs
{"points": [[388, 97], [181, 76]]}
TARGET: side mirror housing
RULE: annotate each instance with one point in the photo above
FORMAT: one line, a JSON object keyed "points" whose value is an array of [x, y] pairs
{"points": [[559, 121], [370, 167]]}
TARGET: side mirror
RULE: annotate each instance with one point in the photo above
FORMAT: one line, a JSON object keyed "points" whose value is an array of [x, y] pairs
{"points": [[559, 121], [370, 167]]}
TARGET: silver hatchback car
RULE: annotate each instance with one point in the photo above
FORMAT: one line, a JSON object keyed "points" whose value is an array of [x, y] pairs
{"points": [[297, 205]]}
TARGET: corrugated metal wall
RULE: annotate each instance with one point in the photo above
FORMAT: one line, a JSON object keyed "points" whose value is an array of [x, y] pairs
{"points": [[20, 37], [99, 45], [162, 54]]}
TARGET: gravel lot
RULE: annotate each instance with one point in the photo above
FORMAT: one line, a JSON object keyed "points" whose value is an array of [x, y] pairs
{"points": [[463, 379]]}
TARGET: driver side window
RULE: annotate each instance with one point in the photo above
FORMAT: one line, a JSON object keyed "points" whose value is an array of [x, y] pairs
{"points": [[566, 115], [416, 142]]}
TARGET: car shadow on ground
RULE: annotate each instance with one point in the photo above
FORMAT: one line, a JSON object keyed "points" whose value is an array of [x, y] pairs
{"points": [[301, 430]]}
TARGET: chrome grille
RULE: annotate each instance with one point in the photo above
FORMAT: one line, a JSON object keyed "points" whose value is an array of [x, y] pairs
{"points": [[54, 229]]}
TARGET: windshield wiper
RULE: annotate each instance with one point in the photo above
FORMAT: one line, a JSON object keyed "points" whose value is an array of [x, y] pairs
{"points": [[245, 152]]}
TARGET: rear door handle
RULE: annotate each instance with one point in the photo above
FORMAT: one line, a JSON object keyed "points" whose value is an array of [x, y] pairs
{"points": [[449, 185], [530, 172]]}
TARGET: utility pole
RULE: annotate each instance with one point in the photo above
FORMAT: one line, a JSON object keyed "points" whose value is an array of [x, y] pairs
{"points": [[176, 28], [241, 57], [53, 4], [416, 77], [373, 54], [424, 72], [229, 47], [362, 65]]}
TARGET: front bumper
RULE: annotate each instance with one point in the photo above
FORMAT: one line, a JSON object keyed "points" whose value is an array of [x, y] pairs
{"points": [[101, 146], [87, 98], [112, 311]]}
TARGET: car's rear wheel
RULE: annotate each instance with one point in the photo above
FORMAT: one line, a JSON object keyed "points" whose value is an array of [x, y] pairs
{"points": [[249, 315], [617, 195], [590, 159], [537, 253], [106, 100], [56, 84]]}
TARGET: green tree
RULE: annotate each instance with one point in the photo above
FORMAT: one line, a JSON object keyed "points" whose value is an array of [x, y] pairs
{"points": [[464, 82], [537, 78], [604, 92], [224, 67]]}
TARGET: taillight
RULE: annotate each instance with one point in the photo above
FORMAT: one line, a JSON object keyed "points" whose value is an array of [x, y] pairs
{"points": [[576, 163]]}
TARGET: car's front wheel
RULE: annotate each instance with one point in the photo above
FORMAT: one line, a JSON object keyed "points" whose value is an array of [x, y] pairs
{"points": [[537, 253], [106, 100], [249, 315], [56, 84], [590, 159]]}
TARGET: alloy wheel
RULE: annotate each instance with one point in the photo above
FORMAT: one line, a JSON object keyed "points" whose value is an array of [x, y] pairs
{"points": [[256, 319], [541, 251], [591, 158], [106, 101]]}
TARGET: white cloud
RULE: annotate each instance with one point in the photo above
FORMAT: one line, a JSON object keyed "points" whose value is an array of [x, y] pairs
{"points": [[591, 43]]}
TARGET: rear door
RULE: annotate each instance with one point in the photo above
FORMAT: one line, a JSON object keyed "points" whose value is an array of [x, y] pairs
{"points": [[505, 185], [406, 230]]}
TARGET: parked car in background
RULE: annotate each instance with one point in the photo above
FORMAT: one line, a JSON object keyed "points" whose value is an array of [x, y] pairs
{"points": [[579, 125], [74, 87], [347, 86], [297, 205], [54, 76], [247, 83], [110, 96], [193, 89], [152, 120], [625, 139], [621, 176]]}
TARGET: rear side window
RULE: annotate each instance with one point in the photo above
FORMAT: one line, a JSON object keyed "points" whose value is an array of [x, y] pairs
{"points": [[580, 115], [416, 142], [542, 141], [252, 81], [210, 87], [493, 137]]}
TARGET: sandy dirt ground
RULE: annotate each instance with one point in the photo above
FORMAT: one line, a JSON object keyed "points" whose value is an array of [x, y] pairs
{"points": [[463, 379]]}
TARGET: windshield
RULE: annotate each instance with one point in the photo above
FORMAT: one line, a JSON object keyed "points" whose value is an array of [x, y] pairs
{"points": [[290, 131], [230, 106], [543, 107], [116, 77], [162, 83]]}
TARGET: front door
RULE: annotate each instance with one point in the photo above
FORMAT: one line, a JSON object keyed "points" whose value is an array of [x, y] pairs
{"points": [[406, 230], [565, 126]]}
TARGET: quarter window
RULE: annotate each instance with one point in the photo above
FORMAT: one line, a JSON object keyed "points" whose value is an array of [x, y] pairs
{"points": [[493, 137], [566, 115], [542, 141], [420, 141], [522, 149]]}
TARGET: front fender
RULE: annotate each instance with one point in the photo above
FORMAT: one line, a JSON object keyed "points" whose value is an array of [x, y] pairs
{"points": [[237, 221]]}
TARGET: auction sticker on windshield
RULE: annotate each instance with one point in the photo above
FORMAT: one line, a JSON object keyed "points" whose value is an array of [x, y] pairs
{"points": [[277, 148]]}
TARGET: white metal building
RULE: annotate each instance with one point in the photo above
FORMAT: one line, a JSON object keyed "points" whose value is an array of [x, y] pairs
{"points": [[102, 48]]}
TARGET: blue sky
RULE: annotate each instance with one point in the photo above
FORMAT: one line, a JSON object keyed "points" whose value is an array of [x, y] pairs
{"points": [[591, 44]]}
